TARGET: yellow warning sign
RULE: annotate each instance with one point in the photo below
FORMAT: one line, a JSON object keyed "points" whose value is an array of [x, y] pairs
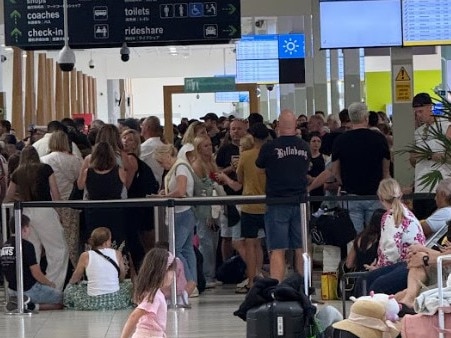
{"points": [[403, 92], [402, 75]]}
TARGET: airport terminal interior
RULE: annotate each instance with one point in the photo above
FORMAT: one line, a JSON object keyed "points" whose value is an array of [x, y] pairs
{"points": [[296, 54]]}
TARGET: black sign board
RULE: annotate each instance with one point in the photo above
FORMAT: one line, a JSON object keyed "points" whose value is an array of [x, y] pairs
{"points": [[39, 24]]}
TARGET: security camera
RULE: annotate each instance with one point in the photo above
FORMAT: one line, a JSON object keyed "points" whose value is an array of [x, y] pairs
{"points": [[91, 64], [270, 87], [66, 59], [3, 58], [259, 23], [125, 52]]}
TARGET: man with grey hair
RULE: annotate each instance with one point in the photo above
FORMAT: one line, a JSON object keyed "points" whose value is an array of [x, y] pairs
{"points": [[437, 221], [360, 160]]}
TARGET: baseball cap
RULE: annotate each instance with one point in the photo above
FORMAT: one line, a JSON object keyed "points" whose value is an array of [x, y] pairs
{"points": [[130, 123], [421, 100], [210, 116]]}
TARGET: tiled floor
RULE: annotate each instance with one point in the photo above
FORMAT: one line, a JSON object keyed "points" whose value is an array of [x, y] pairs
{"points": [[211, 316]]}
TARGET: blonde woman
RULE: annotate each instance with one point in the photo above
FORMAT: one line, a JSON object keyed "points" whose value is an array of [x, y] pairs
{"points": [[179, 182], [205, 168], [195, 129], [66, 167], [399, 229]]}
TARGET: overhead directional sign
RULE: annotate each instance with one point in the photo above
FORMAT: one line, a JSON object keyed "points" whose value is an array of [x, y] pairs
{"points": [[39, 24], [209, 84]]}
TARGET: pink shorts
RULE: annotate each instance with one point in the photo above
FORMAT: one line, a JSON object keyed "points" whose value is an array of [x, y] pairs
{"points": [[143, 333]]}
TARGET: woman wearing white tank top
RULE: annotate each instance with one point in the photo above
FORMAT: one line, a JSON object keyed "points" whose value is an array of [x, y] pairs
{"points": [[105, 271]]}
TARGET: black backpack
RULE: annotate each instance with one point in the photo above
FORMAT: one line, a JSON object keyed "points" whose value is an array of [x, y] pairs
{"points": [[144, 183]]}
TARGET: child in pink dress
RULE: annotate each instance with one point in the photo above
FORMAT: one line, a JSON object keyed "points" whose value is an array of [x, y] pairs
{"points": [[149, 318]]}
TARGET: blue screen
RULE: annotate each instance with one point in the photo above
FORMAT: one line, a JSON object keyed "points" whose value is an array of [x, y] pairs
{"points": [[291, 46]]}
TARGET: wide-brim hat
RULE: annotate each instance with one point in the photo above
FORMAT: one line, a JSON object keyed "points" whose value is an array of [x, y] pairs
{"points": [[367, 319]]}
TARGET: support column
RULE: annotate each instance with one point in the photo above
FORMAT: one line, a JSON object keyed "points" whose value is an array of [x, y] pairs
{"points": [[319, 64], [50, 114], [30, 92], [80, 94], [334, 82], [309, 65], [66, 91], [403, 117], [42, 90], [59, 95], [85, 94], [446, 68], [94, 90], [73, 92], [352, 76], [17, 95]]}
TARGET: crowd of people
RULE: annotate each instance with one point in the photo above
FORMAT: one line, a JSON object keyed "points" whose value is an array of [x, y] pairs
{"points": [[289, 158]]}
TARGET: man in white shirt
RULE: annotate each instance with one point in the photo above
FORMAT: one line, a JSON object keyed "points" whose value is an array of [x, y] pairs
{"points": [[424, 136], [42, 145], [151, 131]]}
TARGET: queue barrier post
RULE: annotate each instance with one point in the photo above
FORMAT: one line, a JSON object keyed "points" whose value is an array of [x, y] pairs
{"points": [[305, 256], [19, 262], [170, 209], [5, 208]]}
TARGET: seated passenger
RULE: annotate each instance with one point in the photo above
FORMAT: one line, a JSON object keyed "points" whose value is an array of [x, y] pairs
{"points": [[363, 251], [364, 247], [422, 269], [105, 271], [399, 229], [41, 291], [438, 219]]}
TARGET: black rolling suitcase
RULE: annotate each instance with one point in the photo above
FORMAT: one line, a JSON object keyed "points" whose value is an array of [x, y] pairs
{"points": [[276, 319]]}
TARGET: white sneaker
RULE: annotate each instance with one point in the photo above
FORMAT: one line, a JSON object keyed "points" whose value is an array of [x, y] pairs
{"points": [[243, 283], [210, 285], [195, 293]]}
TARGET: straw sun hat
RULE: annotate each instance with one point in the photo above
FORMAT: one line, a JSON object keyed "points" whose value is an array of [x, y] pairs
{"points": [[367, 320]]}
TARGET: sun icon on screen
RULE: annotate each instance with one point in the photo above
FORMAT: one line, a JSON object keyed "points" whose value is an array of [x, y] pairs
{"points": [[290, 46]]}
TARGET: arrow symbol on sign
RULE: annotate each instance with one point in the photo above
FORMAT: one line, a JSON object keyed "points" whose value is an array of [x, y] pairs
{"points": [[230, 9], [231, 30], [15, 15], [16, 33]]}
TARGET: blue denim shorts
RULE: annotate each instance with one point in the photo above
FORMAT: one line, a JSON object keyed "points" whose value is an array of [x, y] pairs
{"points": [[283, 227], [42, 294]]}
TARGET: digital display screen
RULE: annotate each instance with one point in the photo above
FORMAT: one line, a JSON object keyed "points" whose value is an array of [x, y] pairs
{"points": [[426, 22], [273, 58], [257, 71], [226, 97], [358, 24], [257, 47], [291, 46]]}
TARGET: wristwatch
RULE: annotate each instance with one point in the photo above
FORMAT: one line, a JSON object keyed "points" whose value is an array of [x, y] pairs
{"points": [[426, 260]]}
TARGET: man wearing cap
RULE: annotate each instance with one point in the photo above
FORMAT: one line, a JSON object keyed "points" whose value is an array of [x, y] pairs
{"points": [[211, 123], [422, 106]]}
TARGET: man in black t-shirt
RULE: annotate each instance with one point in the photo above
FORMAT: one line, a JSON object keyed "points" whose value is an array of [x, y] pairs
{"points": [[360, 160], [285, 161], [227, 160], [36, 286]]}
